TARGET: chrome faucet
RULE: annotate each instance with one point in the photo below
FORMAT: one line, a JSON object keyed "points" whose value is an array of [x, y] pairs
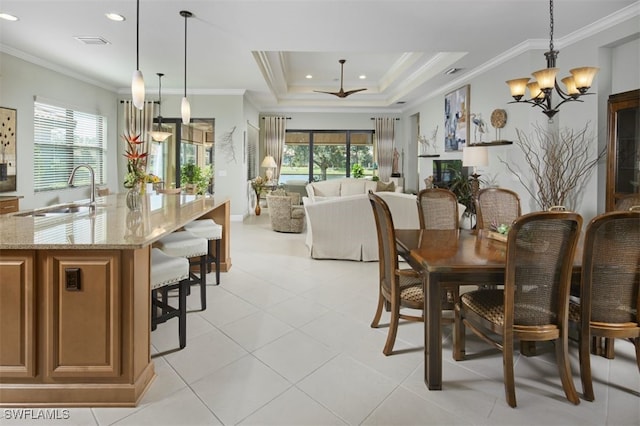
{"points": [[92, 201]]}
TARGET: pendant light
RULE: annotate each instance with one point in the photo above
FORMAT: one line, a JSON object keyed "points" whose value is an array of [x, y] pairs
{"points": [[159, 135], [137, 82], [185, 108]]}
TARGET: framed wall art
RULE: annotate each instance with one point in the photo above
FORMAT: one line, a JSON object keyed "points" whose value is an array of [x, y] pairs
{"points": [[456, 119], [8, 149]]}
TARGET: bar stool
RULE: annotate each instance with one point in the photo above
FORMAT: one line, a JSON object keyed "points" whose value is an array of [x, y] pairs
{"points": [[185, 244], [207, 228], [169, 273]]}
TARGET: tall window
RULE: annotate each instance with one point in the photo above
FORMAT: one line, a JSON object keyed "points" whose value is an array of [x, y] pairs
{"points": [[326, 154], [63, 139]]}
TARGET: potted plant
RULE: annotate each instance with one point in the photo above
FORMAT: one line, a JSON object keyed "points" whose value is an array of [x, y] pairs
{"points": [[194, 178], [462, 186], [357, 171]]}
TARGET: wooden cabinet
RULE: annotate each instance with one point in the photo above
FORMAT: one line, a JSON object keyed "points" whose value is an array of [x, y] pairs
{"points": [[18, 314], [81, 294], [9, 205], [623, 154]]}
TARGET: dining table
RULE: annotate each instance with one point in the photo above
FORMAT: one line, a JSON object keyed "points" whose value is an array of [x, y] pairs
{"points": [[454, 257]]}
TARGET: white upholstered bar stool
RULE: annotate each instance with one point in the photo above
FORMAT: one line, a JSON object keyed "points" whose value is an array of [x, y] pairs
{"points": [[187, 245], [207, 228], [168, 273]]}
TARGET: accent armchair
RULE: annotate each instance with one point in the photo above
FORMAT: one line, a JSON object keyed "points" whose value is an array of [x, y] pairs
{"points": [[285, 214]]}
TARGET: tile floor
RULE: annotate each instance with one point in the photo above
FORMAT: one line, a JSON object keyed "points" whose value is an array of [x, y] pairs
{"points": [[285, 340]]}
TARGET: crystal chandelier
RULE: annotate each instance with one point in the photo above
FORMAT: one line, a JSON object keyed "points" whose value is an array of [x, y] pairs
{"points": [[541, 89]]}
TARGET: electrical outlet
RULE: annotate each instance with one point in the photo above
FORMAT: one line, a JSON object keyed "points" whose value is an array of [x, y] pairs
{"points": [[72, 276]]}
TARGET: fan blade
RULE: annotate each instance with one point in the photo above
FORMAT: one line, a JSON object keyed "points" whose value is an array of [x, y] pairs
{"points": [[328, 93], [351, 92]]}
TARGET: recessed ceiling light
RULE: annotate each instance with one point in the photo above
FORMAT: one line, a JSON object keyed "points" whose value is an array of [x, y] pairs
{"points": [[8, 17], [115, 16], [362, 77], [309, 76]]}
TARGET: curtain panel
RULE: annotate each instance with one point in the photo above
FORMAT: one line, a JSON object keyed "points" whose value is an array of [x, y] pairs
{"points": [[385, 136], [139, 121], [274, 133]]}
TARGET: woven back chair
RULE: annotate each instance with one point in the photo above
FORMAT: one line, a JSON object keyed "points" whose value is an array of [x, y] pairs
{"points": [[437, 209], [627, 202], [399, 288], [609, 299], [533, 306], [498, 206]]}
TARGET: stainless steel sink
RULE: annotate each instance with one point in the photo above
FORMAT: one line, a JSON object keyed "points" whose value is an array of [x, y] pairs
{"points": [[57, 211]]}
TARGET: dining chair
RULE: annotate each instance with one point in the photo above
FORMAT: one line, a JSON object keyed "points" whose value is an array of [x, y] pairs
{"points": [[398, 288], [497, 206], [534, 303], [437, 209], [627, 202], [609, 299]]}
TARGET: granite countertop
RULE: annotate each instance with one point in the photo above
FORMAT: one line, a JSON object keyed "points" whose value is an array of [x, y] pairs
{"points": [[111, 226]]}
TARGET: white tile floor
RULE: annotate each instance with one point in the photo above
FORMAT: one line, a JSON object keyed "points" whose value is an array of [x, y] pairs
{"points": [[285, 340]]}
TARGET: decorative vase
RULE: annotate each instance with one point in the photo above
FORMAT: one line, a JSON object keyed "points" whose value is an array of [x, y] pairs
{"points": [[134, 197], [257, 210]]}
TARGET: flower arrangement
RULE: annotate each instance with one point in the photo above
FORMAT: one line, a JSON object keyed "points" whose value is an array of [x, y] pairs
{"points": [[151, 178], [136, 161], [500, 229], [258, 185]]}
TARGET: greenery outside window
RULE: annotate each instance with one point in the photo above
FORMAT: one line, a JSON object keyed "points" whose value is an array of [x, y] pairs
{"points": [[63, 139], [326, 154]]}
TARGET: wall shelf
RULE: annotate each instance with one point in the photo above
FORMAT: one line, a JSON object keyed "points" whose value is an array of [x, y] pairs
{"points": [[428, 155], [494, 143]]}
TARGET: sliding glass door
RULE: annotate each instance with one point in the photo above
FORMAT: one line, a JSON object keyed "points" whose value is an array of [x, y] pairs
{"points": [[326, 154]]}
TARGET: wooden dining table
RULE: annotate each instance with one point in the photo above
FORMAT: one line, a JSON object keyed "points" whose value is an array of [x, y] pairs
{"points": [[457, 257]]}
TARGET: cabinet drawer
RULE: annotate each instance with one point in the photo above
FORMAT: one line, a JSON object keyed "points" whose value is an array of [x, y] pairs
{"points": [[9, 206]]}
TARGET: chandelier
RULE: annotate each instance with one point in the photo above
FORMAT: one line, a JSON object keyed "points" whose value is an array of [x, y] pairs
{"points": [[159, 135], [541, 89]]}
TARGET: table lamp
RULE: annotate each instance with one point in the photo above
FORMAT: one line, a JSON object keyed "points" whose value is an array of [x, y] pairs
{"points": [[270, 164], [474, 156]]}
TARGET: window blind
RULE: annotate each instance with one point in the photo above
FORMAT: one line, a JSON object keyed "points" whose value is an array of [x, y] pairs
{"points": [[63, 139]]}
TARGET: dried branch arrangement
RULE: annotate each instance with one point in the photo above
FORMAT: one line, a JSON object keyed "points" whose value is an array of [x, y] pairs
{"points": [[560, 164]]}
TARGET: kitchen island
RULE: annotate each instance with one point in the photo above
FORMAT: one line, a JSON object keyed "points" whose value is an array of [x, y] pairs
{"points": [[75, 298]]}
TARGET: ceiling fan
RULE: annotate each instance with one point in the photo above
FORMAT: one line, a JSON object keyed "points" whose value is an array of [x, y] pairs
{"points": [[341, 93]]}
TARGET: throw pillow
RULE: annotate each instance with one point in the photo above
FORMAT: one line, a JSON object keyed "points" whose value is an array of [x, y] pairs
{"points": [[386, 186]]}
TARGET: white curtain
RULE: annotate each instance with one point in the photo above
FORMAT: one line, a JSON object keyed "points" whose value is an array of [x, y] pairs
{"points": [[274, 133], [385, 136], [139, 122]]}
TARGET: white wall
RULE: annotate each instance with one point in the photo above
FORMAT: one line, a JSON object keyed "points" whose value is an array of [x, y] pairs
{"points": [[20, 81]]}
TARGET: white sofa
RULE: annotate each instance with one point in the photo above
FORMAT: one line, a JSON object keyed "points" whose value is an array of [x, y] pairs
{"points": [[344, 187], [343, 227]]}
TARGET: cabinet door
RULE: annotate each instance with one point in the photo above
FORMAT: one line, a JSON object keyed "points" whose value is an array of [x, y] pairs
{"points": [[17, 314], [623, 163], [82, 312]]}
